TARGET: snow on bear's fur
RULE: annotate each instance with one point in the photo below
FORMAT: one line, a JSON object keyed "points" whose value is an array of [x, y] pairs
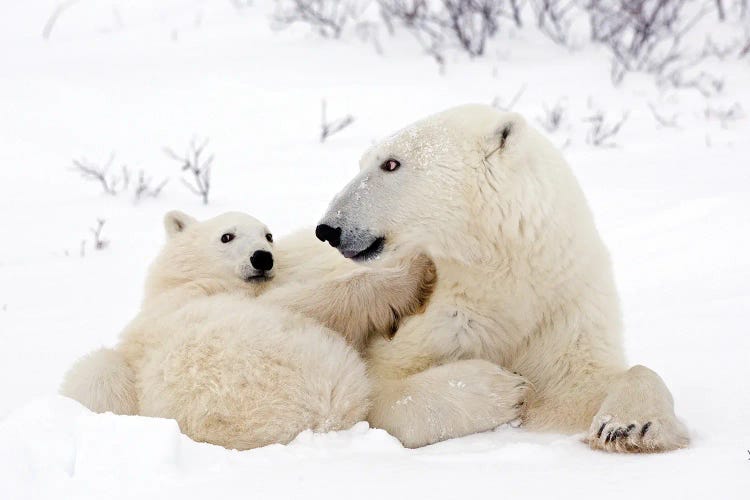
{"points": [[237, 366], [524, 287]]}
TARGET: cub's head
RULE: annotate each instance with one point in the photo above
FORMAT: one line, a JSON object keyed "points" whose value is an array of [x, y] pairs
{"points": [[430, 185], [233, 247]]}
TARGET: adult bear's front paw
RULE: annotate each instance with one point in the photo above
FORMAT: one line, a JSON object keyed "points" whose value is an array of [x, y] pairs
{"points": [[644, 434], [637, 416]]}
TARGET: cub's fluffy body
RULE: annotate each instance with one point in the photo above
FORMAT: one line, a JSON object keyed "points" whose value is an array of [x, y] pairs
{"points": [[241, 373], [240, 359]]}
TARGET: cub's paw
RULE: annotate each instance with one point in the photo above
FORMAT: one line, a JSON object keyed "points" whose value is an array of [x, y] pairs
{"points": [[409, 287], [422, 277], [648, 434]]}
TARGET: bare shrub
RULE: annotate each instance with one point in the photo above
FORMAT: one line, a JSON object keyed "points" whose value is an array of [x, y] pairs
{"points": [[328, 128], [111, 183], [118, 182], [730, 9], [145, 189], [725, 115], [553, 117], [469, 23], [705, 83], [98, 242], [96, 232], [602, 131], [553, 18], [416, 17], [198, 167], [643, 35], [327, 17]]}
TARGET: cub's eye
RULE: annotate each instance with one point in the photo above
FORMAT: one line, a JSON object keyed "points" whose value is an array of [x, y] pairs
{"points": [[227, 237], [269, 238], [390, 165]]}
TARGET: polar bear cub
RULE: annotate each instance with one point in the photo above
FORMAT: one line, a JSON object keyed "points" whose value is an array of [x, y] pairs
{"points": [[232, 367]]}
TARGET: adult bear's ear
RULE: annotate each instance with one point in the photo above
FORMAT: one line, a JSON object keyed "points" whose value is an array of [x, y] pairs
{"points": [[176, 222], [505, 132]]}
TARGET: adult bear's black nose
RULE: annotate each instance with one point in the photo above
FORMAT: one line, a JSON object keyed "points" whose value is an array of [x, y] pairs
{"points": [[332, 235], [262, 260]]}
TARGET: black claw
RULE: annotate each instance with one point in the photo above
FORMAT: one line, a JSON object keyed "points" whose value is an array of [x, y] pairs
{"points": [[631, 427], [609, 437], [601, 429], [644, 430]]}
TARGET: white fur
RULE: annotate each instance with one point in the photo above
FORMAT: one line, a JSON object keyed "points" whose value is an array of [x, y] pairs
{"points": [[240, 362], [102, 381], [524, 285], [203, 351]]}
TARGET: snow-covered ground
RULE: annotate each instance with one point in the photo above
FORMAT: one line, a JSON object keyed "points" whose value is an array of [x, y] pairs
{"points": [[135, 77]]}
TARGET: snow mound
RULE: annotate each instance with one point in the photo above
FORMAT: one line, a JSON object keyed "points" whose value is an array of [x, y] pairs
{"points": [[55, 448]]}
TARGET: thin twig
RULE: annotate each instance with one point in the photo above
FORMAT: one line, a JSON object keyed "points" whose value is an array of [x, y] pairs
{"points": [[328, 128], [664, 121], [199, 168], [110, 183], [53, 18], [99, 243], [497, 103]]}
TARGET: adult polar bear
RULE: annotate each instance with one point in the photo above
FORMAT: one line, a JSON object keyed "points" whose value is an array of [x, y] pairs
{"points": [[524, 285]]}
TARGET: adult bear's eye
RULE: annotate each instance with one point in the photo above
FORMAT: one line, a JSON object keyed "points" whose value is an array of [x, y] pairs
{"points": [[269, 238], [390, 165], [227, 237]]}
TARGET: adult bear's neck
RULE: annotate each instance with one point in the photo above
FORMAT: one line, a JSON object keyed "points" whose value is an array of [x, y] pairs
{"points": [[541, 244]]}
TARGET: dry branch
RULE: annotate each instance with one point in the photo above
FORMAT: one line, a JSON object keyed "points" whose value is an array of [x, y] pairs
{"points": [[198, 167], [328, 128]]}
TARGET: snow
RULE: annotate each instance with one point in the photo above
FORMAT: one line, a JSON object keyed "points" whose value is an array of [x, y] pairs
{"points": [[136, 77]]}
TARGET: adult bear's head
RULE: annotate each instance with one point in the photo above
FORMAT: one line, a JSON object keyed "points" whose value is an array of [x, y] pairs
{"points": [[456, 185]]}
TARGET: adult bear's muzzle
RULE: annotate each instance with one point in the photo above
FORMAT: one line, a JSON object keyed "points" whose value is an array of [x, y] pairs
{"points": [[356, 244]]}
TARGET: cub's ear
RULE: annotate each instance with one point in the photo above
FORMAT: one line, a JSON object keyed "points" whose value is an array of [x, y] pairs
{"points": [[505, 132], [176, 222]]}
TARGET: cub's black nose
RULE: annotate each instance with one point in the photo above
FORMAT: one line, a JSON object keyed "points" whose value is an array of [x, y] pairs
{"points": [[332, 235], [262, 260]]}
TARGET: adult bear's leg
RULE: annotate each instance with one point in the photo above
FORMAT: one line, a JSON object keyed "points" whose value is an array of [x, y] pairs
{"points": [[447, 401], [621, 410]]}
